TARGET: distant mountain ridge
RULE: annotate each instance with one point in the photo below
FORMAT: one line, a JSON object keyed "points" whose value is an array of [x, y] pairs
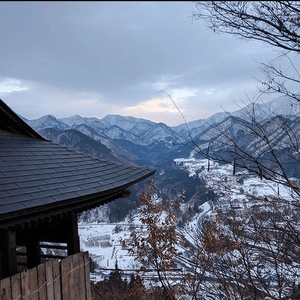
{"points": [[142, 141]]}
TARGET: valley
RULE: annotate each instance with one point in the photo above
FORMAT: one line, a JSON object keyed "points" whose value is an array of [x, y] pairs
{"points": [[103, 239]]}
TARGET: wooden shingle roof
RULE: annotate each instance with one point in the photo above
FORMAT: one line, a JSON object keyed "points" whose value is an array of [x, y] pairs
{"points": [[41, 178]]}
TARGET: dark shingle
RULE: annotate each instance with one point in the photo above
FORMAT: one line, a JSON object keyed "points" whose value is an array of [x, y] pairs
{"points": [[30, 183], [38, 202], [11, 207], [54, 186], [68, 189], [14, 173], [38, 177], [90, 185], [51, 181], [15, 199], [6, 180], [21, 191], [65, 196], [85, 191]]}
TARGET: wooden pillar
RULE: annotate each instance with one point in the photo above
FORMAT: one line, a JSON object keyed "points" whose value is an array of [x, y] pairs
{"points": [[8, 253], [33, 249], [72, 235]]}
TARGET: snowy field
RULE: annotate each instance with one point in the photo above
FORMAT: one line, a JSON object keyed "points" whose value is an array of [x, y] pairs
{"points": [[104, 246]]}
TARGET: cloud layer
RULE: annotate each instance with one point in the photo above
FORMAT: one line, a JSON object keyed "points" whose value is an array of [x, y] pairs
{"points": [[99, 58]]}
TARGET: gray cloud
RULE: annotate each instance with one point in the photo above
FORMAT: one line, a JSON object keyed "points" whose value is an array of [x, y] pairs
{"points": [[117, 53]]}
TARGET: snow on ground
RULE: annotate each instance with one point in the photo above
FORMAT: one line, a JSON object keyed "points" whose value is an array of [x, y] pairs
{"points": [[221, 178], [103, 240], [205, 208]]}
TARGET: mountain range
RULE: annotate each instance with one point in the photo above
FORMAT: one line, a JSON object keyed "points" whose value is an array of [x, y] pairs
{"points": [[144, 142]]}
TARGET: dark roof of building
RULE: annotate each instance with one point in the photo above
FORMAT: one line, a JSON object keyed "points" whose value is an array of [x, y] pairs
{"points": [[38, 177]]}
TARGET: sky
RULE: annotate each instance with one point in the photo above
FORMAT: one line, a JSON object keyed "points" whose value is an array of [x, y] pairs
{"points": [[127, 58]]}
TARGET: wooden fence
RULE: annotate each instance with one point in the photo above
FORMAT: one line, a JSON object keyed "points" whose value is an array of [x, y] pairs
{"points": [[67, 279]]}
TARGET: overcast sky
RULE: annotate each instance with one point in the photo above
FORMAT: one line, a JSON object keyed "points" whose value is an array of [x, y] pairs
{"points": [[98, 58]]}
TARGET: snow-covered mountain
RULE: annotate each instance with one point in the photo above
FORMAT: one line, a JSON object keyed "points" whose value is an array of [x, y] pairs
{"points": [[104, 140], [147, 142], [135, 125], [76, 140], [263, 110], [77, 120], [161, 132], [47, 121]]}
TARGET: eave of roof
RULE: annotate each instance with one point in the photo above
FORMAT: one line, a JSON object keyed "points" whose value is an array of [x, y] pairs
{"points": [[37, 175]]}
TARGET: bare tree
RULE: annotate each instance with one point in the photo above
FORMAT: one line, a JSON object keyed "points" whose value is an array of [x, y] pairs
{"points": [[275, 23], [250, 253], [255, 252], [156, 247]]}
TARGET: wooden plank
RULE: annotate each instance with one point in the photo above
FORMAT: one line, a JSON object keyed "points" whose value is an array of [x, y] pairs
{"points": [[67, 281], [76, 277], [56, 279], [53, 256], [42, 283], [15, 282], [51, 246], [25, 288], [65, 268], [87, 276], [49, 280], [33, 284], [71, 281], [5, 289], [82, 288]]}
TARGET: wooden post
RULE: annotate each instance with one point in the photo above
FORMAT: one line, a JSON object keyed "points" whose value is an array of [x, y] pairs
{"points": [[8, 253], [33, 250], [72, 235]]}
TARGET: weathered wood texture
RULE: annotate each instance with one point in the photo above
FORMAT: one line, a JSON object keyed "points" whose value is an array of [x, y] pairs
{"points": [[67, 279]]}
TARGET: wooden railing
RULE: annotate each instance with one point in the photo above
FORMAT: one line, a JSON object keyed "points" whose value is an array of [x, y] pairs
{"points": [[67, 279]]}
